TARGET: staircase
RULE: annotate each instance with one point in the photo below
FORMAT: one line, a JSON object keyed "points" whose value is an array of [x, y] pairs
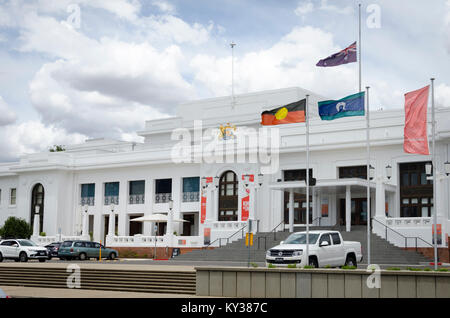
{"points": [[166, 282], [382, 252]]}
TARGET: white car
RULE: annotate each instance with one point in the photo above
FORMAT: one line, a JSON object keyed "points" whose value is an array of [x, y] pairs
{"points": [[22, 250], [326, 248]]}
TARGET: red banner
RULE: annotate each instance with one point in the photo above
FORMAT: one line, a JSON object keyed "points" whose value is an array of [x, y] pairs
{"points": [[245, 208], [415, 132], [252, 177], [203, 210]]}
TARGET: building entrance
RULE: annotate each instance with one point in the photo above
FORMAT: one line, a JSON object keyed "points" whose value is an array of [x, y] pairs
{"points": [[358, 211]]}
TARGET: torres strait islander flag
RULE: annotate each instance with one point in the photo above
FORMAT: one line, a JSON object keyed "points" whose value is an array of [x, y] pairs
{"points": [[415, 139], [291, 113], [352, 105]]}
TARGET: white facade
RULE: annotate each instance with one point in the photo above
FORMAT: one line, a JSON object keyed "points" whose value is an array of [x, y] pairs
{"points": [[333, 144]]}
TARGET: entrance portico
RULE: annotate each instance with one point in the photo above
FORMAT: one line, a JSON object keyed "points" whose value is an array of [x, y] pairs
{"points": [[340, 201]]}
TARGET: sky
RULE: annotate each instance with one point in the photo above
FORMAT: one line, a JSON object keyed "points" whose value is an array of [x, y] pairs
{"points": [[71, 70]]}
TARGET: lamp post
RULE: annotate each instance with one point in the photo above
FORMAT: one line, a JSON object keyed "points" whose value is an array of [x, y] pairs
{"points": [[84, 230], [252, 183], [388, 172]]}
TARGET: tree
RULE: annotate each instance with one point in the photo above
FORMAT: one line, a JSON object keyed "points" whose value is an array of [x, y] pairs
{"points": [[57, 148], [16, 228]]}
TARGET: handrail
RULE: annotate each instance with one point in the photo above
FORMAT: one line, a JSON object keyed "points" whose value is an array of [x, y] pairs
{"points": [[405, 237], [227, 238], [267, 234]]}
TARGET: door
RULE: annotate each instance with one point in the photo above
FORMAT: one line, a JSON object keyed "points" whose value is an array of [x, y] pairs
{"points": [[187, 226], [7, 248], [135, 227], [299, 208], [358, 211], [326, 252], [338, 249]]}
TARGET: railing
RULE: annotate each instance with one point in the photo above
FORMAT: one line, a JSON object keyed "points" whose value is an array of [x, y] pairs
{"points": [[87, 201], [227, 238], [163, 197], [405, 238], [136, 199], [191, 196], [274, 230], [112, 199]]}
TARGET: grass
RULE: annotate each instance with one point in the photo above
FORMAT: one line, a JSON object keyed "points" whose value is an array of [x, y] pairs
{"points": [[348, 267], [254, 265], [442, 270], [292, 266], [393, 269], [308, 267], [413, 269], [271, 266]]}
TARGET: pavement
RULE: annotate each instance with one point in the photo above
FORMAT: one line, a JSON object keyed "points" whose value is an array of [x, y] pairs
{"points": [[38, 292]]}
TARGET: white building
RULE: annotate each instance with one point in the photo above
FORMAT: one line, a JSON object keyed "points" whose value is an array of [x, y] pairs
{"points": [[140, 179]]}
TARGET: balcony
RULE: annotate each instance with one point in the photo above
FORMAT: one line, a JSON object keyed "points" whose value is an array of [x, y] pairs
{"points": [[136, 199], [163, 197], [112, 199], [87, 201], [191, 196]]}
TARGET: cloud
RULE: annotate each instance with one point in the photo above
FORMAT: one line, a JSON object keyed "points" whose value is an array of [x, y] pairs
{"points": [[442, 97], [164, 6], [33, 136], [304, 8], [333, 8], [7, 115], [447, 26]]}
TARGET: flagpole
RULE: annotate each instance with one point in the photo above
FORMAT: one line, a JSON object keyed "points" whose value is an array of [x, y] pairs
{"points": [[368, 178], [232, 44], [359, 46], [307, 180], [434, 178]]}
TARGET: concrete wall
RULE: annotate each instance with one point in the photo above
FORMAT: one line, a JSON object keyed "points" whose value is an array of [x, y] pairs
{"points": [[318, 283]]}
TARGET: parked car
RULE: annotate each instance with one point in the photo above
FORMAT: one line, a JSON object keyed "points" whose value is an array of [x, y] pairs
{"points": [[84, 250], [326, 248], [52, 249], [22, 250]]}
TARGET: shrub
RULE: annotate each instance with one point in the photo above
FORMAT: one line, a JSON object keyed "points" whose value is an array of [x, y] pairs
{"points": [[271, 266], [442, 270], [292, 266], [16, 228], [91, 235], [348, 267], [308, 267], [414, 269], [254, 265], [393, 269], [43, 234], [328, 266]]}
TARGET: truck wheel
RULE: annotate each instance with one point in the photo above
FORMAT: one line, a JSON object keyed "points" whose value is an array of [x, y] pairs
{"points": [[313, 262], [1, 257], [23, 257], [350, 260], [42, 260]]}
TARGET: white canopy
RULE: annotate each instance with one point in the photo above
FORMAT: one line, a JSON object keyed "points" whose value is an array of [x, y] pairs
{"points": [[157, 217]]}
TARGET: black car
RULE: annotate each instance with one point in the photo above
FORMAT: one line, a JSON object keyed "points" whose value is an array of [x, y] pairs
{"points": [[53, 249]]}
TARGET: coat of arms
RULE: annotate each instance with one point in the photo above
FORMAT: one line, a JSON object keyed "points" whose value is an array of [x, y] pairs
{"points": [[227, 132]]}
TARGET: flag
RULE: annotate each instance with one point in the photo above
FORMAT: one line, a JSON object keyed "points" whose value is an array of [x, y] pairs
{"points": [[415, 133], [352, 105], [291, 113], [347, 55]]}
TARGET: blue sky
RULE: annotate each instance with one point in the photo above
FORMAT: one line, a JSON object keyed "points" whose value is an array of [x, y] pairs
{"points": [[132, 60]]}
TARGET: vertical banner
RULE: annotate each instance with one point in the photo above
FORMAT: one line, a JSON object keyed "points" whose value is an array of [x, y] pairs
{"points": [[439, 233], [207, 235], [386, 209], [245, 207], [203, 209], [324, 207], [415, 132]]}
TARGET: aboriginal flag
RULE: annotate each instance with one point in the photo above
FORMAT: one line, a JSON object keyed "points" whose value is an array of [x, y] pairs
{"points": [[291, 113]]}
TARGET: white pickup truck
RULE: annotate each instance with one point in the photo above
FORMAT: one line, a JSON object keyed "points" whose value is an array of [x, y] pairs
{"points": [[22, 250], [326, 248]]}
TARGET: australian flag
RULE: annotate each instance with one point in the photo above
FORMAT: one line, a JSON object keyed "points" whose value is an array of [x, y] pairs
{"points": [[347, 55]]}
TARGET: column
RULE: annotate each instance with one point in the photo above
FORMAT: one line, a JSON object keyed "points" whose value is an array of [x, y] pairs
{"points": [[348, 209], [36, 223], [380, 199], [112, 224], [291, 210], [148, 204], [121, 209], [85, 230]]}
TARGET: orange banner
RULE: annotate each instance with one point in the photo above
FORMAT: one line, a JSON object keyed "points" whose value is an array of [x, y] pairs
{"points": [[203, 210], [415, 132]]}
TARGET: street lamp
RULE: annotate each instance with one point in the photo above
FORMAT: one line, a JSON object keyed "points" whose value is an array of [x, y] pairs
{"points": [[371, 172], [447, 168], [388, 171], [428, 169]]}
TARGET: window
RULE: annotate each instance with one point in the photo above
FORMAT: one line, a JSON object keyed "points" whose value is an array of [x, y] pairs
{"points": [[296, 175], [353, 172], [191, 189], [416, 192], [12, 198], [111, 193], [228, 197], [325, 238], [67, 244], [163, 190], [87, 194], [79, 244], [137, 192], [336, 238]]}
